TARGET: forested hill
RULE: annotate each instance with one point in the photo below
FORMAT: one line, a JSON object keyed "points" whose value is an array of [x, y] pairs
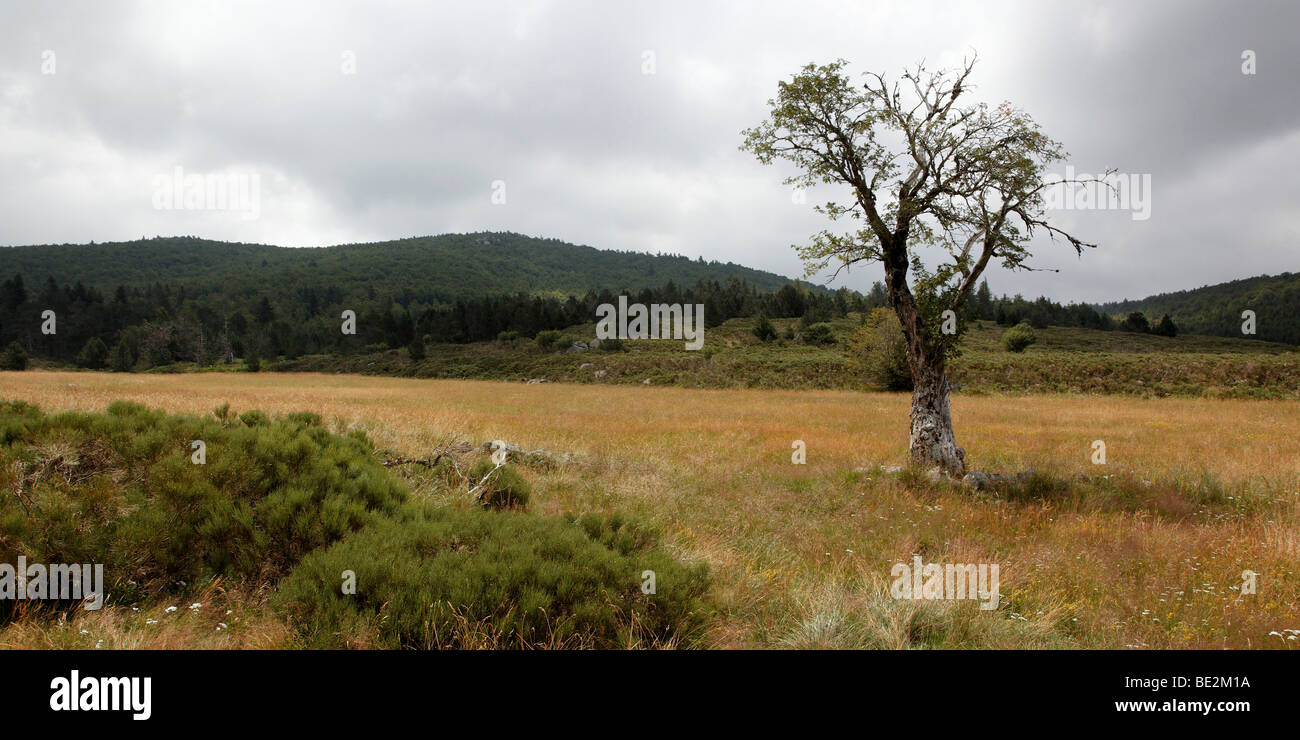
{"points": [[1217, 309], [427, 270]]}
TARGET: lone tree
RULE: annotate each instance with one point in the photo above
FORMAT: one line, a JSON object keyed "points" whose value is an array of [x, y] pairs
{"points": [[922, 171]]}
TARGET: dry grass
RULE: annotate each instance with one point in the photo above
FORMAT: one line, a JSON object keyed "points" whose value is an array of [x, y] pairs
{"points": [[802, 554]]}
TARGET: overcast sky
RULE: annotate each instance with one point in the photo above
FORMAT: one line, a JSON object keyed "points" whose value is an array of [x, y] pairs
{"points": [[616, 124]]}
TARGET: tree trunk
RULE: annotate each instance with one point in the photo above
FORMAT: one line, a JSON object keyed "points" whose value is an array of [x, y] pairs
{"points": [[932, 442]]}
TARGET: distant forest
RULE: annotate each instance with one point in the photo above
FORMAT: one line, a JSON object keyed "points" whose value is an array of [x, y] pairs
{"points": [[154, 302], [157, 325], [1217, 309]]}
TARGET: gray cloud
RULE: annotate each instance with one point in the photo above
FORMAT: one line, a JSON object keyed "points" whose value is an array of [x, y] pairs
{"points": [[551, 99]]}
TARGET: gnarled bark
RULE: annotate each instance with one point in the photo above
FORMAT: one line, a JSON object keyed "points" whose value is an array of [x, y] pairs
{"points": [[932, 442]]}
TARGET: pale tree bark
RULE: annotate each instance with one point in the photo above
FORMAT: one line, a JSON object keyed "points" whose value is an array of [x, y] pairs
{"points": [[932, 443]]}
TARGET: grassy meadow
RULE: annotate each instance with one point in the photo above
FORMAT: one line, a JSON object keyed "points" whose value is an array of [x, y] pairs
{"points": [[1064, 360], [1146, 551]]}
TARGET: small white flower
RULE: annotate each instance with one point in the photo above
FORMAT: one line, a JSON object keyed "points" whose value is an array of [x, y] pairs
{"points": [[170, 609], [195, 605], [151, 621]]}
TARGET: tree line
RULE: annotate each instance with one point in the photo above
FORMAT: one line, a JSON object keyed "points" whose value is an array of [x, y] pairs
{"points": [[161, 324]]}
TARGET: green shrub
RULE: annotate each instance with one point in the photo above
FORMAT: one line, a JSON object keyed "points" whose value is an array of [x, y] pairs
{"points": [[93, 355], [1135, 322], [14, 357], [121, 489], [122, 359], [879, 348], [253, 362], [1166, 327], [416, 348], [1019, 337], [819, 333], [547, 339], [764, 329], [450, 578], [613, 344], [507, 336], [306, 418], [502, 488]]}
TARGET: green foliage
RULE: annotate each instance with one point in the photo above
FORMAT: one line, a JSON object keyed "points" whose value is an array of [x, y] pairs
{"points": [[838, 129], [456, 266], [613, 344], [415, 350], [253, 362], [547, 339], [306, 418], [94, 355], [817, 334], [1136, 322], [1166, 327], [764, 329], [1216, 309], [13, 357], [449, 578], [880, 349], [507, 336], [122, 359], [121, 488], [1019, 337], [499, 488]]}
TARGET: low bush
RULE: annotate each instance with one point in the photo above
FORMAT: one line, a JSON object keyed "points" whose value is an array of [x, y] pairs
{"points": [[1019, 337], [499, 488], [819, 333], [450, 578], [880, 350], [547, 339], [93, 355], [14, 357], [122, 489]]}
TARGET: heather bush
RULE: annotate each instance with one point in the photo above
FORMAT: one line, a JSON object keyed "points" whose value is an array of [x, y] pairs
{"points": [[1019, 337], [451, 578], [122, 488], [499, 487]]}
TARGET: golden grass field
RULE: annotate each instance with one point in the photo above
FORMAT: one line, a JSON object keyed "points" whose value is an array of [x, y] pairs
{"points": [[802, 554]]}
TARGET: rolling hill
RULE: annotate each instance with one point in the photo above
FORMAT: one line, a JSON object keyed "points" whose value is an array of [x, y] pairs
{"points": [[428, 270], [1217, 309]]}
